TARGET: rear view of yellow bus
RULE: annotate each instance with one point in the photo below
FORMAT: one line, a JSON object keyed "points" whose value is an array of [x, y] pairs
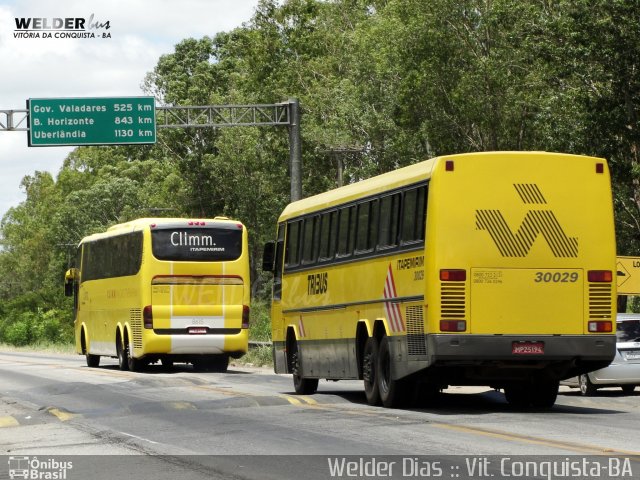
{"points": [[172, 290], [520, 253], [491, 269]]}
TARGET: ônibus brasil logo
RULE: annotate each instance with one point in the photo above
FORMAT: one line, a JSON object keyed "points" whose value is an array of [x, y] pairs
{"points": [[536, 222], [34, 469], [61, 27]]}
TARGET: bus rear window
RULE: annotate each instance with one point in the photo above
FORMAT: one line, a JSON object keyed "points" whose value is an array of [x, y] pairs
{"points": [[197, 244]]}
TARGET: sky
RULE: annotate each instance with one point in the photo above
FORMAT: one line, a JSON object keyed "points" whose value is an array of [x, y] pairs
{"points": [[141, 31]]}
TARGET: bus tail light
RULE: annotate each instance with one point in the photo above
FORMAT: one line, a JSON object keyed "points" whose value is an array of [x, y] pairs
{"points": [[245, 316], [453, 325], [600, 276], [600, 327], [147, 317], [453, 275]]}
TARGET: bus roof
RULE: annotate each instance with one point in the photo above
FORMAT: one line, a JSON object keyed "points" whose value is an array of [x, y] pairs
{"points": [[141, 223], [396, 178]]}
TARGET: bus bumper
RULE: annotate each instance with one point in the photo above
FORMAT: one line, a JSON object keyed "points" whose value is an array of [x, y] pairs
{"points": [[234, 344], [481, 358]]}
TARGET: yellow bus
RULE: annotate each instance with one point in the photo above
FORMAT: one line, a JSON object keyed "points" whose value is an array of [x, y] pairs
{"points": [[475, 269], [167, 289]]}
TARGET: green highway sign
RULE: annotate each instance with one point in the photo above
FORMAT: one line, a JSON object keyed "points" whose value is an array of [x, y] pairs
{"points": [[91, 121]]}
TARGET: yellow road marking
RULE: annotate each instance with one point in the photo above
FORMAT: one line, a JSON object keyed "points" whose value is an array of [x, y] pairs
{"points": [[291, 400], [8, 422], [308, 399], [182, 406], [62, 416]]}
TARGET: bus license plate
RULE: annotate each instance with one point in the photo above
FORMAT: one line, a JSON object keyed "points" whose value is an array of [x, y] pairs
{"points": [[197, 331], [527, 348]]}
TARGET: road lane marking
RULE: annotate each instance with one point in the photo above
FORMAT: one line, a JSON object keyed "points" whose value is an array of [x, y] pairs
{"points": [[182, 406], [139, 438], [8, 422], [292, 400], [62, 416]]}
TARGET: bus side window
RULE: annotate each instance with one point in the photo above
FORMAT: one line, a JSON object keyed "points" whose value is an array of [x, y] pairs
{"points": [[327, 236], [413, 215], [389, 216], [309, 240], [292, 257], [346, 230], [277, 274]]}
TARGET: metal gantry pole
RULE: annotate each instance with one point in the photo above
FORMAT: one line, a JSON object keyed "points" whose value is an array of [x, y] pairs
{"points": [[295, 149]]}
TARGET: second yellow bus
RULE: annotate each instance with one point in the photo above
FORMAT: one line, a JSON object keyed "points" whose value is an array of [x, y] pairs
{"points": [[173, 290], [476, 269]]}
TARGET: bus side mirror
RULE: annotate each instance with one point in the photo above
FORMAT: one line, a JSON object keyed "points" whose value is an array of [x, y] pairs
{"points": [[268, 257], [69, 280]]}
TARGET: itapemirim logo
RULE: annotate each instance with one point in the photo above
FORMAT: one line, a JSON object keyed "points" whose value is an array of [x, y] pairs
{"points": [[61, 27], [536, 222]]}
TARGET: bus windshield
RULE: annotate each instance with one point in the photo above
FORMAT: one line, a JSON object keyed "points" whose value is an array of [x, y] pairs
{"points": [[209, 244]]}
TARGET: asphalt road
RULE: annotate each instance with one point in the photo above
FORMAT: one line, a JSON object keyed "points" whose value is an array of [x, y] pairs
{"points": [[248, 423]]}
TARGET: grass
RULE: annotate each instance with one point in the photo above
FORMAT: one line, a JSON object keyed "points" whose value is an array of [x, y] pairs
{"points": [[65, 348], [257, 357]]}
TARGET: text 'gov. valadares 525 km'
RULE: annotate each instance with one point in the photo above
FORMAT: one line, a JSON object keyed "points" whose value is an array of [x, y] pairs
{"points": [[91, 121]]}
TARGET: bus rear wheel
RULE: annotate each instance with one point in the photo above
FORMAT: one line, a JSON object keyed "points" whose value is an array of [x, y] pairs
{"points": [[517, 395], [123, 362], [302, 385], [93, 361], [392, 392], [369, 376], [545, 393], [219, 363]]}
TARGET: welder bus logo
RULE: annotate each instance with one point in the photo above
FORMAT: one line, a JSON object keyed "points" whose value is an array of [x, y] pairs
{"points": [[536, 222]]}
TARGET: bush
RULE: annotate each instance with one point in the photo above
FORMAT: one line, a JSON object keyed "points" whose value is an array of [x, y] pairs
{"points": [[260, 322], [18, 334], [50, 327]]}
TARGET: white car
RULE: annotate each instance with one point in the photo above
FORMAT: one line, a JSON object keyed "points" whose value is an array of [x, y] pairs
{"points": [[624, 370]]}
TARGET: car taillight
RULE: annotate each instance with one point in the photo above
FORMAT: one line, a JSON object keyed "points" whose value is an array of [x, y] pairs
{"points": [[147, 317], [600, 276], [453, 275], [453, 325], [600, 327], [245, 316]]}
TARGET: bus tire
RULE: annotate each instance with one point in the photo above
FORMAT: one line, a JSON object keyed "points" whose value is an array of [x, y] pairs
{"points": [[134, 364], [587, 388], [392, 392], [219, 363], [93, 361], [544, 393], [369, 366], [517, 395], [123, 362], [301, 385], [166, 363]]}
